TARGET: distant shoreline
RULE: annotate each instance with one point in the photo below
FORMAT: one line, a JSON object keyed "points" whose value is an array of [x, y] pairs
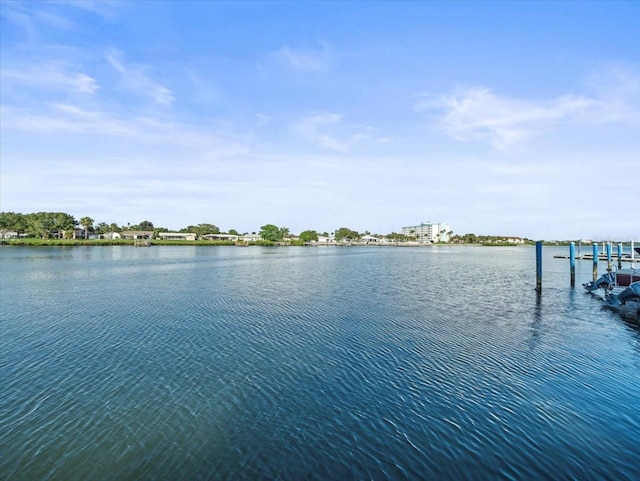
{"points": [[32, 242]]}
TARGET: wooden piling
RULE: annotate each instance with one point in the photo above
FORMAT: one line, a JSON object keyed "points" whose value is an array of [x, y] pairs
{"points": [[595, 261], [608, 248]]}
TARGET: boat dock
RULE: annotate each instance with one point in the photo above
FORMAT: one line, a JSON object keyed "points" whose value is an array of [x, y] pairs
{"points": [[621, 286], [606, 254], [601, 257]]}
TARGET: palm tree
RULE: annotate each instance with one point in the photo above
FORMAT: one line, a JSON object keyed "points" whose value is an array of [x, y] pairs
{"points": [[87, 223], [283, 232]]}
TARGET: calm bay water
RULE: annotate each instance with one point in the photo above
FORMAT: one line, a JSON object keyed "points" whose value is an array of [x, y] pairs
{"points": [[310, 363]]}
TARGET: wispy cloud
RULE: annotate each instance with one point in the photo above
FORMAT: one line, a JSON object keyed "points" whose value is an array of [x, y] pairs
{"points": [[262, 119], [53, 76], [102, 8], [56, 14], [304, 59], [54, 19], [618, 89], [137, 78], [328, 130], [68, 119], [312, 129], [478, 113]]}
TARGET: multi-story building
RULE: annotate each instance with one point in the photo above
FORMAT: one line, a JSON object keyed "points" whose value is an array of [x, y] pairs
{"points": [[428, 232]]}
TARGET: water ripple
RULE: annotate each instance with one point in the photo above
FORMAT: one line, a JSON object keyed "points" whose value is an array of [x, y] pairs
{"points": [[170, 363]]}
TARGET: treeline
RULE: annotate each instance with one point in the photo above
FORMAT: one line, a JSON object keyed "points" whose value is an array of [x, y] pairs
{"points": [[59, 225], [39, 224], [487, 240], [46, 225]]}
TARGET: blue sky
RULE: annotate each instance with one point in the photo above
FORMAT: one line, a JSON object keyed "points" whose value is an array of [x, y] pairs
{"points": [[494, 117]]}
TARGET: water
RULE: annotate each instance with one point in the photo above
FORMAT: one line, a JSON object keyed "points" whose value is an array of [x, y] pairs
{"points": [[310, 363]]}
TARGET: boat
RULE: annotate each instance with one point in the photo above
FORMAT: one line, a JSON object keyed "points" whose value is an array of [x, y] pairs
{"points": [[621, 291], [618, 278], [626, 302]]}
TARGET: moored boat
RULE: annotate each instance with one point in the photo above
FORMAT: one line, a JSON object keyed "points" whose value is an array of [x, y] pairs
{"points": [[621, 291], [619, 278]]}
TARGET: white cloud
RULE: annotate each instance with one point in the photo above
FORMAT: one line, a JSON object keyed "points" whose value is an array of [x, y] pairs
{"points": [[54, 20], [72, 109], [304, 60], [331, 131], [263, 119], [136, 78], [53, 75], [312, 128], [102, 8], [618, 89], [477, 113], [67, 119], [32, 17]]}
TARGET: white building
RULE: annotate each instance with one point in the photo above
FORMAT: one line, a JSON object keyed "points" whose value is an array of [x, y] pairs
{"points": [[250, 238], [221, 237], [428, 232], [324, 240], [188, 236]]}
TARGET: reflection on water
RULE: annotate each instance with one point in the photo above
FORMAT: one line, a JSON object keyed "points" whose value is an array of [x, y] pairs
{"points": [[310, 363]]}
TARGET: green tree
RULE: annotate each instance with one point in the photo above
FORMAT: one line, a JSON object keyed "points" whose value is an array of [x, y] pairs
{"points": [[35, 227], [202, 229], [346, 234], [45, 224], [470, 238], [271, 233], [308, 236], [233, 232], [12, 221], [87, 223], [394, 236], [146, 225], [102, 228]]}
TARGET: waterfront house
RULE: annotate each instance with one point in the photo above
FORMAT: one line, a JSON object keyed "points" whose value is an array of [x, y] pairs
{"points": [[250, 238], [136, 234], [76, 233], [110, 235], [185, 236], [368, 239], [324, 240], [220, 237], [514, 240]]}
